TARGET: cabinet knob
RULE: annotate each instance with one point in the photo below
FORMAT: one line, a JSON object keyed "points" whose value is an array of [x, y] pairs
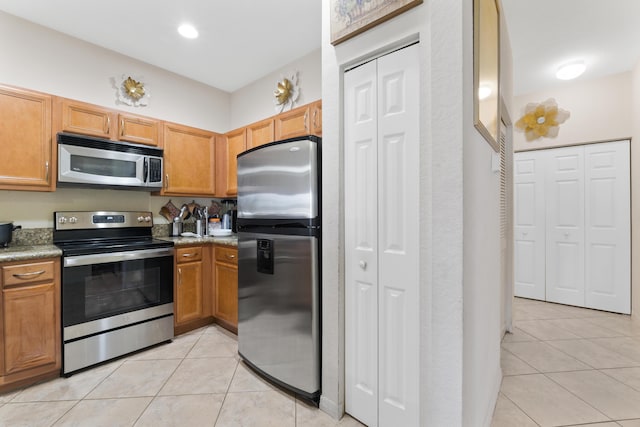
{"points": [[363, 264], [566, 234]]}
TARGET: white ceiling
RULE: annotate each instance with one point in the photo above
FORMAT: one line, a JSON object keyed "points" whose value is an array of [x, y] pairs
{"points": [[240, 40], [547, 33], [243, 40]]}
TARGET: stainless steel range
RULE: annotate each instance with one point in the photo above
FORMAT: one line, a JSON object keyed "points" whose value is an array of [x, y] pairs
{"points": [[117, 285]]}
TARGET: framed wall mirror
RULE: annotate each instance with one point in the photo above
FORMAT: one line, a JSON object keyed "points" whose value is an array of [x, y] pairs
{"points": [[486, 70]]}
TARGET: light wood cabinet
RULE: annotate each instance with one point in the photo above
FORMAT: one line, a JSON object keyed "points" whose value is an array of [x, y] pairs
{"points": [[304, 120], [85, 119], [260, 133], [138, 129], [188, 285], [231, 145], [30, 322], [28, 159], [189, 161], [192, 288], [316, 118], [93, 120], [226, 287]]}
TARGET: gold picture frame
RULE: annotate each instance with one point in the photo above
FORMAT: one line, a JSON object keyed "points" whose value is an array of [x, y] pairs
{"points": [[352, 17], [486, 70]]}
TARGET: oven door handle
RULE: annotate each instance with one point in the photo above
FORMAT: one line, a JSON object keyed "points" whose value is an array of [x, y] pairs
{"points": [[75, 261]]}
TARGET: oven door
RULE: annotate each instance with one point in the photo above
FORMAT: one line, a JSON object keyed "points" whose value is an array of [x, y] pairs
{"points": [[101, 291]]}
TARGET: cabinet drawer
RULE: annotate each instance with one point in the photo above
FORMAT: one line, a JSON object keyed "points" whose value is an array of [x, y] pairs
{"points": [[189, 254], [27, 273], [227, 254]]}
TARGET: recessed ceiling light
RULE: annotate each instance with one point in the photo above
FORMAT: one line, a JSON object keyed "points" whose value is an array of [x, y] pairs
{"points": [[571, 70], [188, 31]]}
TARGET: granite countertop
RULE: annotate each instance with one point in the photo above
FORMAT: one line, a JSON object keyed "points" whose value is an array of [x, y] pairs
{"points": [[183, 241], [29, 252], [33, 244]]}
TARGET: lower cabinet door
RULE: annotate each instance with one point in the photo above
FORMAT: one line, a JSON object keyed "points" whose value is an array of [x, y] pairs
{"points": [[29, 327], [188, 292], [226, 298]]}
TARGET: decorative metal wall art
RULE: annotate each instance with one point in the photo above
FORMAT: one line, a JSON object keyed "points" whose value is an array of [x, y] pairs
{"points": [[286, 93], [131, 91], [542, 120]]}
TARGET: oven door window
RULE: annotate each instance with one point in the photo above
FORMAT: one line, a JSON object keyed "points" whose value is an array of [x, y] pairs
{"points": [[91, 292]]}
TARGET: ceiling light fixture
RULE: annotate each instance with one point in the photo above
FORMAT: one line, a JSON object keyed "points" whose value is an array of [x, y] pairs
{"points": [[571, 70], [188, 31]]}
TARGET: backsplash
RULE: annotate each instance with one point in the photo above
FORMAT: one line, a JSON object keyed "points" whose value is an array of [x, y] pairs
{"points": [[32, 236]]}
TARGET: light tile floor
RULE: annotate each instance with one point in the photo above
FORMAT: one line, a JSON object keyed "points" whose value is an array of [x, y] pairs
{"points": [[566, 366], [197, 380]]}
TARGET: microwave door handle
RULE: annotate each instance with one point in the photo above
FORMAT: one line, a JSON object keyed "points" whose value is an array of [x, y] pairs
{"points": [[145, 170]]}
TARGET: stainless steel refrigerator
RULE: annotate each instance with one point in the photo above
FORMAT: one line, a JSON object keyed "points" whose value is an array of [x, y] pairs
{"points": [[279, 263]]}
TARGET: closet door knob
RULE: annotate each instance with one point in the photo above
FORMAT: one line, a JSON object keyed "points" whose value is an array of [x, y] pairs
{"points": [[363, 265]]}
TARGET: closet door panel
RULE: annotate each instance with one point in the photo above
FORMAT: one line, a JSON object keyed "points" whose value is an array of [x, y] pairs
{"points": [[607, 226], [565, 226], [398, 189], [529, 224], [361, 245]]}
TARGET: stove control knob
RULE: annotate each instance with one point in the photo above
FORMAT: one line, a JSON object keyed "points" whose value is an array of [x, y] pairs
{"points": [[147, 219], [140, 218], [73, 220], [62, 220]]}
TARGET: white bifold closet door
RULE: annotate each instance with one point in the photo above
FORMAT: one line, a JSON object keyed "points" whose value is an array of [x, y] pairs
{"points": [[381, 240], [529, 225], [608, 226], [573, 213], [565, 225]]}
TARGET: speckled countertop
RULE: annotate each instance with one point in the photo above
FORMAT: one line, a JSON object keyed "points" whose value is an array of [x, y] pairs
{"points": [[37, 243], [28, 252], [183, 241]]}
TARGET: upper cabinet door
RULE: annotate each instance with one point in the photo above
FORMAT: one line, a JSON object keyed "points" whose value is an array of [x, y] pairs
{"points": [[141, 130], [235, 143], [25, 136], [189, 161], [260, 133], [293, 123], [86, 119], [316, 118]]}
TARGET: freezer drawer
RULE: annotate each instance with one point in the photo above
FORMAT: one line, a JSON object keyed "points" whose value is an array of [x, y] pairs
{"points": [[279, 308]]}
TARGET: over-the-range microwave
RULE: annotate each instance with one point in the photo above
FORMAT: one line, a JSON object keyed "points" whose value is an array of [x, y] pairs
{"points": [[95, 162]]}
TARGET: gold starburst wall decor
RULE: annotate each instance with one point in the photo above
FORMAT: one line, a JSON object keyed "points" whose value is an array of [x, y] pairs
{"points": [[542, 120], [133, 88], [286, 93], [130, 90]]}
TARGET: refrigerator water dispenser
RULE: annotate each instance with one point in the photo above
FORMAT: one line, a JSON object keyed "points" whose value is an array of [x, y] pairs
{"points": [[265, 256]]}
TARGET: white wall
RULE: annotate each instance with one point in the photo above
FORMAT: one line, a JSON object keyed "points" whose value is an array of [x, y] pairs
{"points": [[35, 57], [482, 288], [635, 191], [600, 110], [40, 59], [254, 102]]}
